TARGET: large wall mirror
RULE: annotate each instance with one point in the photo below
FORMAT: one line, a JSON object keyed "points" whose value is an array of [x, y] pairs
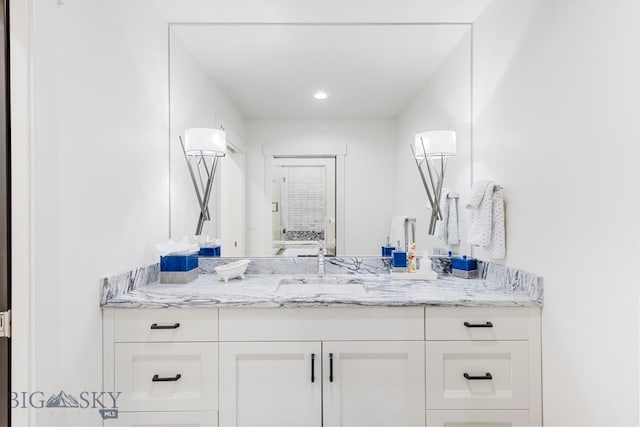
{"points": [[300, 169]]}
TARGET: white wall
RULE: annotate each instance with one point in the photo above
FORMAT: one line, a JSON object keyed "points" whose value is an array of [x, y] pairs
{"points": [[100, 177], [556, 106], [444, 103], [196, 101], [369, 182]]}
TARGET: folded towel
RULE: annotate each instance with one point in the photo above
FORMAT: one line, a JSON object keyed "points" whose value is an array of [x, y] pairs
{"points": [[486, 218]]}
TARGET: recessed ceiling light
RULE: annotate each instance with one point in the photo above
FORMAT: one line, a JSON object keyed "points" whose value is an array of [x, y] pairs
{"points": [[320, 95]]}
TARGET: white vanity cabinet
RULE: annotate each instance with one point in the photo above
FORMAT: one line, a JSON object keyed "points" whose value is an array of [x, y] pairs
{"points": [[325, 366], [483, 366]]}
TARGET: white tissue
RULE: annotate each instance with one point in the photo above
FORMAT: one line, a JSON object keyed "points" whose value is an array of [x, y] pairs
{"points": [[207, 242], [172, 247]]}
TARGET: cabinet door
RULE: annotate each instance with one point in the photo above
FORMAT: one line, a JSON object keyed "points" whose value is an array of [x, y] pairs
{"points": [[270, 384], [373, 383]]}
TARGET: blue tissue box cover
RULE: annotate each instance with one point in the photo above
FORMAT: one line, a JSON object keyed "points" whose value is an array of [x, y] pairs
{"points": [[399, 259], [213, 251], [387, 250], [464, 263], [179, 262]]}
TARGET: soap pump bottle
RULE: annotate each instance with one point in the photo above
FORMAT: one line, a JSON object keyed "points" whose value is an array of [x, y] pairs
{"points": [[411, 257]]}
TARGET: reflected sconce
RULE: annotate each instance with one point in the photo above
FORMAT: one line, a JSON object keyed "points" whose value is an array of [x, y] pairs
{"points": [[431, 150], [202, 148]]}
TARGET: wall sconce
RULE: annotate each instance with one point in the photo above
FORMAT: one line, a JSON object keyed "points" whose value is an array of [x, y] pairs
{"points": [[431, 149], [202, 148]]}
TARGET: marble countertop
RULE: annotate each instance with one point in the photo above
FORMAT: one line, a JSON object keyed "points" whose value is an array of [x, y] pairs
{"points": [[260, 290]]}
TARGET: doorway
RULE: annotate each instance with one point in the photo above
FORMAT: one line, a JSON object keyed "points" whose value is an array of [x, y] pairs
{"points": [[303, 207], [5, 218]]}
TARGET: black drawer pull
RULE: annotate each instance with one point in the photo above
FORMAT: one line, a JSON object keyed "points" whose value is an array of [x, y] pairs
{"points": [[313, 367], [174, 326], [478, 325], [330, 367], [157, 378], [486, 376]]}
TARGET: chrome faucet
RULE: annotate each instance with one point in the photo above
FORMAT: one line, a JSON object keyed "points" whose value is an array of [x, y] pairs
{"points": [[321, 253]]}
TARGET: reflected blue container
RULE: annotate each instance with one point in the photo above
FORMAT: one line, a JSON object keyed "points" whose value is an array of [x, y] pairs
{"points": [[399, 259], [387, 250], [210, 252], [179, 262], [464, 263]]}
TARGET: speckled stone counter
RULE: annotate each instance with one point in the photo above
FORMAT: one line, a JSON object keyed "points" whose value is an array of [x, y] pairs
{"points": [[498, 287]]}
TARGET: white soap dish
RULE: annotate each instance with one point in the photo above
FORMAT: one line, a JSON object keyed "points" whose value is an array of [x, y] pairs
{"points": [[232, 270], [418, 275]]}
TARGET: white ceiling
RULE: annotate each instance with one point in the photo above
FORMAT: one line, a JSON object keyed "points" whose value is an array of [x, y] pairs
{"points": [[272, 71]]}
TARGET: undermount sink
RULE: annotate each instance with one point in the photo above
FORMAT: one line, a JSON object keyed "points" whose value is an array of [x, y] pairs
{"points": [[321, 285]]}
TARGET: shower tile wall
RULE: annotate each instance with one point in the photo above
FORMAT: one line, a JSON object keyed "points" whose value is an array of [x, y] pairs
{"points": [[306, 200]]}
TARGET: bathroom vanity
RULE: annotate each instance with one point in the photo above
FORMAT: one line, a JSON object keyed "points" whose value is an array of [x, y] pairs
{"points": [[448, 352]]}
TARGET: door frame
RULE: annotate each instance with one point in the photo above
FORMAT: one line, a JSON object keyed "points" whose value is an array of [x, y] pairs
{"points": [[328, 149], [5, 226], [22, 230]]}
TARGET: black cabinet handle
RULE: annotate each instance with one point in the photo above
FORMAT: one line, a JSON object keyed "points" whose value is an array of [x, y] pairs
{"points": [[478, 325], [330, 367], [486, 376], [174, 326], [313, 367], [157, 378]]}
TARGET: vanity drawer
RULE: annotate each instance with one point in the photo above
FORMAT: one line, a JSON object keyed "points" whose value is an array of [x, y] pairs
{"points": [[478, 323], [477, 374], [165, 419], [166, 376], [322, 324], [165, 325], [478, 418]]}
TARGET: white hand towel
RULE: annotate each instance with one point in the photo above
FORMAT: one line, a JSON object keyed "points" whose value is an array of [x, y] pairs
{"points": [[481, 207], [447, 227], [442, 224], [453, 235], [486, 218], [497, 247]]}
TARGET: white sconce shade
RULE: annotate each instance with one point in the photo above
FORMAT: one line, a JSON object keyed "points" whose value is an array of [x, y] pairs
{"points": [[436, 143], [208, 142]]}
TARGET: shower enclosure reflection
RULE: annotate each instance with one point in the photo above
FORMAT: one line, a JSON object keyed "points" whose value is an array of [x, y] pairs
{"points": [[303, 206]]}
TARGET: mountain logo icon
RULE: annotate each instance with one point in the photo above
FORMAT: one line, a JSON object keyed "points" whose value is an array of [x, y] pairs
{"points": [[62, 400]]}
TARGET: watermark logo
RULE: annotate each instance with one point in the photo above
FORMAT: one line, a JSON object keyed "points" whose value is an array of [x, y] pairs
{"points": [[62, 400], [105, 402], [108, 414]]}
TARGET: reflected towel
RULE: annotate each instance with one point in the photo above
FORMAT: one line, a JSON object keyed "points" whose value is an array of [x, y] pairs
{"points": [[453, 234], [447, 227], [396, 234]]}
